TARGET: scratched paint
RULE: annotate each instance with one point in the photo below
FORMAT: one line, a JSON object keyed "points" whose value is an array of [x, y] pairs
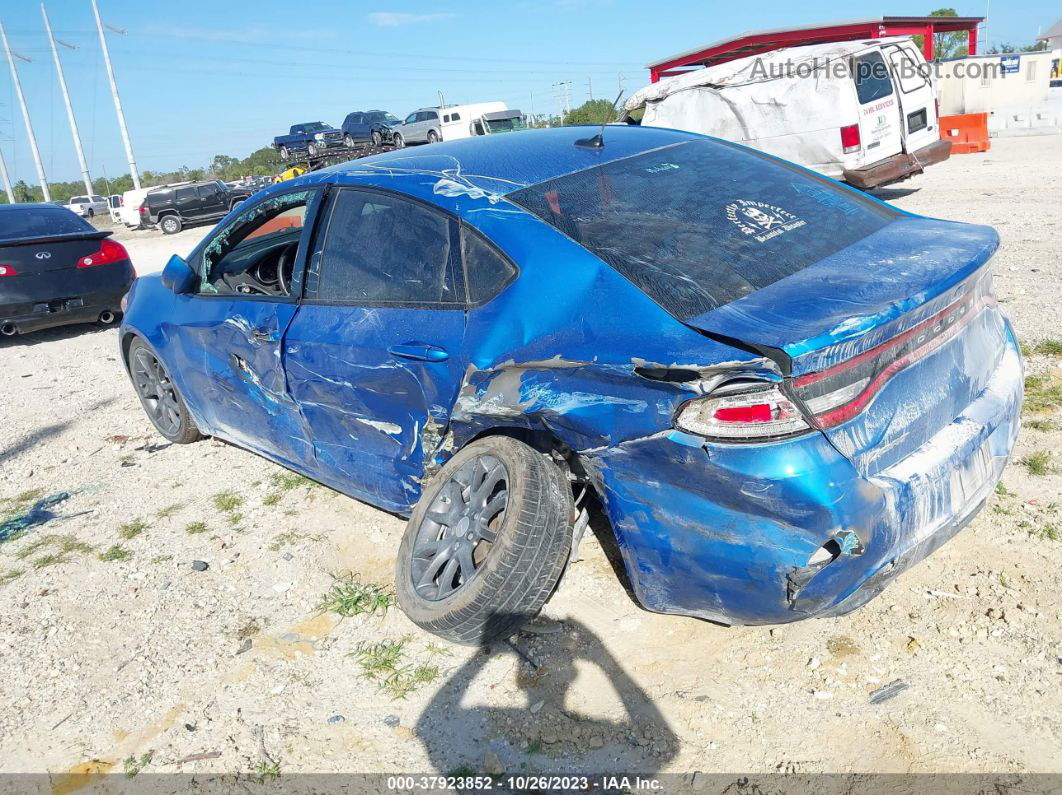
{"points": [[571, 355]]}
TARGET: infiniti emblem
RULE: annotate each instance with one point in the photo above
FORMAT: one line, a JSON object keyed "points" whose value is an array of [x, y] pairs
{"points": [[43, 255]]}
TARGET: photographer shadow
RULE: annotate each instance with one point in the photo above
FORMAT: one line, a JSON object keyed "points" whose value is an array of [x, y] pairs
{"points": [[545, 734]]}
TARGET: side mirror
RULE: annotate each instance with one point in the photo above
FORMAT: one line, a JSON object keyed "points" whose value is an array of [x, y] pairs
{"points": [[178, 275]]}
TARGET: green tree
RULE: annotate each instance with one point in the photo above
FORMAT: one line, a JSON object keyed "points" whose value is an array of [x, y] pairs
{"points": [[22, 192], [595, 111], [946, 45]]}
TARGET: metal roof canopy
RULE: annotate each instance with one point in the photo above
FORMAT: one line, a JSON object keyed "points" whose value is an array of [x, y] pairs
{"points": [[754, 43]]}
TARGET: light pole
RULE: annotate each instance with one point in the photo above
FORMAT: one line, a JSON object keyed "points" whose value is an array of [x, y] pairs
{"points": [[69, 108], [25, 116], [117, 101]]}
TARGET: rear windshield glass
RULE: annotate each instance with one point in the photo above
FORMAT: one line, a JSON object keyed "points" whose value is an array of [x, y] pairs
{"points": [[40, 222], [698, 224]]}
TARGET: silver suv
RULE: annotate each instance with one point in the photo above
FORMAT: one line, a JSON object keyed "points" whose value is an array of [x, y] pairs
{"points": [[420, 127]]}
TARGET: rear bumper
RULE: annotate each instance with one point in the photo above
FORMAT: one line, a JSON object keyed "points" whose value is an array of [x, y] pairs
{"points": [[897, 167], [733, 545], [78, 298]]}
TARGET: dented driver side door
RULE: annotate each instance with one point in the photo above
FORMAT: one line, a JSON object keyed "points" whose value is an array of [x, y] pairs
{"points": [[373, 355]]}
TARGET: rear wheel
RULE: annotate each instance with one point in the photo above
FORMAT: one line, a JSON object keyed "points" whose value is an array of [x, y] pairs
{"points": [[433, 136], [164, 406], [90, 213], [487, 542], [170, 224], [348, 142]]}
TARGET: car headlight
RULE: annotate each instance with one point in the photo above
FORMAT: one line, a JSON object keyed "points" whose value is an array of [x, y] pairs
{"points": [[319, 137]]}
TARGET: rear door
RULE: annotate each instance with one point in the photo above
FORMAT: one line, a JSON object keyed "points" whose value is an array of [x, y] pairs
{"points": [[879, 107], [373, 356], [356, 127], [917, 97]]}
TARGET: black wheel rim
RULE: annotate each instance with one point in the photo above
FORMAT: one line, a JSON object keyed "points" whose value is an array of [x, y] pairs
{"points": [[460, 528], [156, 392]]}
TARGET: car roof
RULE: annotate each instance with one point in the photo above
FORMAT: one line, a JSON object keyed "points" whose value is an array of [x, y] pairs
{"points": [[494, 165]]}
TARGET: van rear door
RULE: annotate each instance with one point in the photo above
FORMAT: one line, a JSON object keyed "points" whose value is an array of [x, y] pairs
{"points": [[879, 107], [918, 112]]}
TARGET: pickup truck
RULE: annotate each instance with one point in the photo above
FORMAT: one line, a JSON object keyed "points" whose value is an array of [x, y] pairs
{"points": [[312, 137]]}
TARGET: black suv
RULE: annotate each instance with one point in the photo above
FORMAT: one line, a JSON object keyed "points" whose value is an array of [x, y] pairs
{"points": [[174, 206], [374, 127]]}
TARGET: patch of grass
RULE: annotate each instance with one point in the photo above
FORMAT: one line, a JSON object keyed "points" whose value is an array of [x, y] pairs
{"points": [[227, 501], [1049, 347], [235, 517], [382, 662], [161, 558], [1047, 533], [1002, 510], [195, 528], [407, 679], [436, 650], [168, 511], [63, 544], [1038, 463], [1040, 425], [272, 498], [1003, 581], [1001, 490], [535, 746], [51, 559], [286, 481], [10, 576], [285, 539], [132, 529], [353, 598], [1042, 393], [13, 506], [116, 552], [134, 765], [1026, 351], [266, 771], [462, 771]]}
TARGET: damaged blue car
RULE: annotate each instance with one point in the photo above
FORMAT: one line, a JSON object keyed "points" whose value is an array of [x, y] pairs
{"points": [[781, 391]]}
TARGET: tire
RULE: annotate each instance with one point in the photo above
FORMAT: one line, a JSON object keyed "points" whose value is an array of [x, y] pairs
{"points": [[170, 224], [89, 214], [348, 142], [284, 154], [515, 573], [311, 150], [162, 403], [377, 138], [433, 137], [398, 142]]}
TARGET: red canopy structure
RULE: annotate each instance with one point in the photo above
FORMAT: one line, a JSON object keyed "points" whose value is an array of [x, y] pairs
{"points": [[766, 40]]}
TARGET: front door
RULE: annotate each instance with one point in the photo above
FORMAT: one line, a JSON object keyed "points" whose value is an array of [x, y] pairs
{"points": [[211, 200], [373, 356], [879, 108], [232, 329], [917, 97]]}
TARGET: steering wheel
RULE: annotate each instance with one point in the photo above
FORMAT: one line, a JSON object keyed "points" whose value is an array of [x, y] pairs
{"points": [[284, 261]]}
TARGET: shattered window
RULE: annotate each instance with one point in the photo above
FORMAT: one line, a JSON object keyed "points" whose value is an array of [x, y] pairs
{"points": [[486, 271], [255, 252], [702, 223], [382, 249]]}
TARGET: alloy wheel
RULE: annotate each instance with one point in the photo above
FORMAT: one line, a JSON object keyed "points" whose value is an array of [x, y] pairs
{"points": [[460, 528], [156, 392]]}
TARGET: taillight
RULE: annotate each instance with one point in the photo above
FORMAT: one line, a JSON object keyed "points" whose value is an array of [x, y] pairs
{"points": [[742, 411], [143, 211], [7, 270], [850, 139], [109, 252]]}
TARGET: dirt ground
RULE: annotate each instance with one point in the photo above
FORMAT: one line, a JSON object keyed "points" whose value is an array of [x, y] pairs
{"points": [[117, 655]]}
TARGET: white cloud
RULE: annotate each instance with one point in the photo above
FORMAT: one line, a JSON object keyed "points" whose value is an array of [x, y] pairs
{"points": [[394, 19]]}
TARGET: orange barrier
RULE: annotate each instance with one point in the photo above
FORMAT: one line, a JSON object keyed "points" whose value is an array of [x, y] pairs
{"points": [[967, 132]]}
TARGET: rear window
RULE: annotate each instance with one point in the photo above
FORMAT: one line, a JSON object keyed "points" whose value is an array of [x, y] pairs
{"points": [[699, 224], [872, 78], [40, 222]]}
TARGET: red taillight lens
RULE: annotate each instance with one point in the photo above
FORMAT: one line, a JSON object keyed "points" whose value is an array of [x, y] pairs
{"points": [[143, 211], [109, 252], [742, 412], [850, 139], [7, 270]]}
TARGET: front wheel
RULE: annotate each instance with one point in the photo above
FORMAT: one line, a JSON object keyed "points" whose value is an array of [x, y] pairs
{"points": [[348, 142], [170, 225], [377, 138], [399, 142], [284, 153], [311, 150], [164, 406], [487, 542]]}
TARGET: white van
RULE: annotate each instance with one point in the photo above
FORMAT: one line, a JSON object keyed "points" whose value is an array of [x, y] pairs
{"points": [[861, 111], [115, 203]]}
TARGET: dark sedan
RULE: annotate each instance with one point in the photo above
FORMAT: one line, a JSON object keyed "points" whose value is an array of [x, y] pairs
{"points": [[57, 269]]}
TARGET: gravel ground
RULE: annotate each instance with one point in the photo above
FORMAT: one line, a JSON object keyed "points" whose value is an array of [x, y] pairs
{"points": [[119, 655]]}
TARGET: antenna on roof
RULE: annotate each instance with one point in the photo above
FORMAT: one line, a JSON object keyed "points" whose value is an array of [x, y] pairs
{"points": [[598, 141]]}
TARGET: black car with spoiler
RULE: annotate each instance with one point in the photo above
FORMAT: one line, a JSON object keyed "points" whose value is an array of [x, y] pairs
{"points": [[57, 269]]}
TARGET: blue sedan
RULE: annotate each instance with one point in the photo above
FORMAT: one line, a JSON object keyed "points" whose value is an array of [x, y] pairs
{"points": [[781, 392]]}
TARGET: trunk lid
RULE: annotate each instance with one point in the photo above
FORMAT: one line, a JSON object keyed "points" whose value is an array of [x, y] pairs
{"points": [[886, 341], [36, 255]]}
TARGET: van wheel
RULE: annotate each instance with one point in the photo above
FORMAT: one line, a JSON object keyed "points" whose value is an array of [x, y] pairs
{"points": [[284, 153], [170, 224], [486, 543], [433, 137], [377, 138], [159, 397]]}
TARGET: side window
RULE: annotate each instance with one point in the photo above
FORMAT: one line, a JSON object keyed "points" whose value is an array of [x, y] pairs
{"points": [[254, 254], [412, 117], [184, 194], [446, 118], [456, 117], [486, 271], [871, 78], [208, 191], [907, 71], [383, 249]]}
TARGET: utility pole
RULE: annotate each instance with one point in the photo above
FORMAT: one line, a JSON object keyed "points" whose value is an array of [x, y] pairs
{"points": [[69, 107], [590, 89], [7, 179], [25, 115], [117, 101], [442, 101], [532, 93]]}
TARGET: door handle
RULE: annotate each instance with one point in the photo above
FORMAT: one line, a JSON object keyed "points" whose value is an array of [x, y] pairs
{"points": [[420, 351]]}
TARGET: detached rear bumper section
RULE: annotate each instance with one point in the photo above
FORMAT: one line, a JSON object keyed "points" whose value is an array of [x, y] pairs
{"points": [[773, 534], [897, 167]]}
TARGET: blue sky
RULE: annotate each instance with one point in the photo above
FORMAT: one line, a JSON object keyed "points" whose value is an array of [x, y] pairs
{"points": [[205, 77]]}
